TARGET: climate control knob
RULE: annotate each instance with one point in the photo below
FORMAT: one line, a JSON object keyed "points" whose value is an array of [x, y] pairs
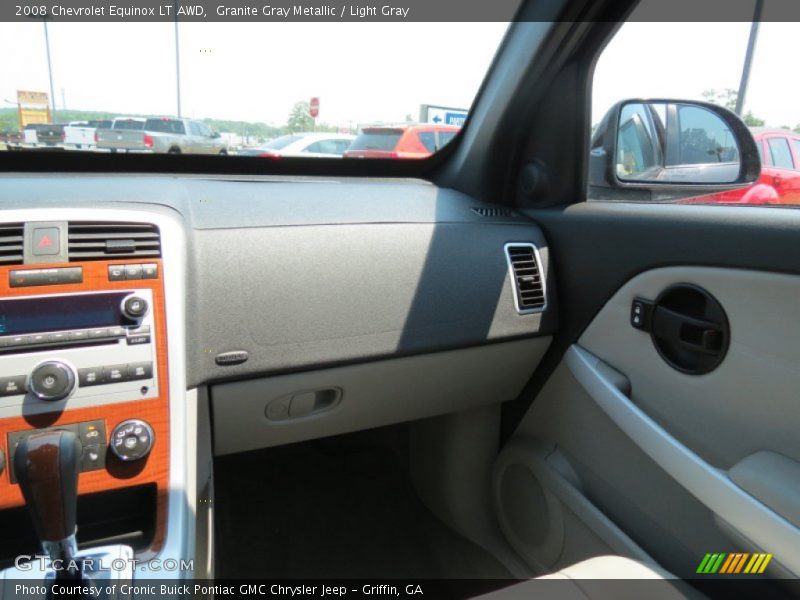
{"points": [[134, 307], [52, 380], [132, 440]]}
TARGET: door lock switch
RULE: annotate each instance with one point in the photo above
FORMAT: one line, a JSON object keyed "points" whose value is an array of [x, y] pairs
{"points": [[641, 314]]}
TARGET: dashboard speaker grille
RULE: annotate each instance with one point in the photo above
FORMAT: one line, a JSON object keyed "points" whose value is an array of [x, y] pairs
{"points": [[498, 211], [526, 273], [90, 240], [11, 243]]}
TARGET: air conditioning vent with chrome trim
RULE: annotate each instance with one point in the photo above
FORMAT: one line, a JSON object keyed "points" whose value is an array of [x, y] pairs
{"points": [[89, 240], [525, 268], [11, 243]]}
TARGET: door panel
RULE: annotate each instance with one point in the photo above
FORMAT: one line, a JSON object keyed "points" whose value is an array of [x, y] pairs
{"points": [[683, 464], [749, 403]]}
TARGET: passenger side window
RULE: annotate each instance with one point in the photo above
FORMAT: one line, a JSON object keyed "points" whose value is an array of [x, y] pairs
{"points": [[780, 154]]}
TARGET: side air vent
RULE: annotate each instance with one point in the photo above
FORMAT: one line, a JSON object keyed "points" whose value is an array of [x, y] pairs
{"points": [[109, 240], [11, 241], [526, 275], [499, 211]]}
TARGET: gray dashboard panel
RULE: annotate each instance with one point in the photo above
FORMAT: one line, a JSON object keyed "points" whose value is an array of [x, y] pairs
{"points": [[294, 297], [303, 273]]}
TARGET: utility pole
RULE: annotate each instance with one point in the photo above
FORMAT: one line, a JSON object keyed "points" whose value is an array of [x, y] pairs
{"points": [[748, 57], [177, 61], [50, 73]]}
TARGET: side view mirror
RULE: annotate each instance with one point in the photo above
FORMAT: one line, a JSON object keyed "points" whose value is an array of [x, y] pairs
{"points": [[670, 149]]}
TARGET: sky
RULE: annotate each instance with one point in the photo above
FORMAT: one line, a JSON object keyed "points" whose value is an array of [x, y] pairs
{"points": [[366, 72]]}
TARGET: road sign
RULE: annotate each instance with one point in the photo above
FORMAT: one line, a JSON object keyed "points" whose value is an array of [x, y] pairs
{"points": [[313, 107], [32, 108], [442, 115]]}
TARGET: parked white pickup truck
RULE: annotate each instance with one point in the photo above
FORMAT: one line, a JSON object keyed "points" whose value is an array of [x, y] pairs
{"points": [[80, 135]]}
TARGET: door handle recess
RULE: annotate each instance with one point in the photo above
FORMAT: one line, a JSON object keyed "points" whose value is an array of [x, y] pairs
{"points": [[688, 327]]}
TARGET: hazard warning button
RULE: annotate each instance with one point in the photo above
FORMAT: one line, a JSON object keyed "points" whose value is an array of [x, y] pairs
{"points": [[46, 241]]}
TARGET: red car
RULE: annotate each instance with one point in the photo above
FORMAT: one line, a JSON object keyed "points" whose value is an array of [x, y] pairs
{"points": [[407, 140], [779, 182]]}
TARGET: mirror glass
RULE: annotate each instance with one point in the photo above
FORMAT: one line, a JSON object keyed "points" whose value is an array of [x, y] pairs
{"points": [[674, 143]]}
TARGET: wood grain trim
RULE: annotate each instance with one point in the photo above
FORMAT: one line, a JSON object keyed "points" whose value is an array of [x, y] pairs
{"points": [[155, 467]]}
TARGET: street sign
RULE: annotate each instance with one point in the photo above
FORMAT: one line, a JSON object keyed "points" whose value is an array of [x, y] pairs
{"points": [[313, 107], [442, 115], [32, 108]]}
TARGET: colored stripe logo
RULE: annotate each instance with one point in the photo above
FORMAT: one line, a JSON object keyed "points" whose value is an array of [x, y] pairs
{"points": [[734, 563]]}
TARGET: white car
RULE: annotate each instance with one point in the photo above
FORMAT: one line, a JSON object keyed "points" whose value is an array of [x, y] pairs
{"points": [[322, 145]]}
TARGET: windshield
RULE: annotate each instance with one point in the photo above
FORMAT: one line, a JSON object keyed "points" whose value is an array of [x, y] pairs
{"points": [[255, 85]]}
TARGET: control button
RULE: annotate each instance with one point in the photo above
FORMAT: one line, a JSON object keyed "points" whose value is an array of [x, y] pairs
{"points": [[150, 271], [39, 338], [143, 370], [116, 272], [46, 241], [52, 380], [134, 307], [19, 340], [78, 335], [59, 337], [5, 342], [90, 376], [134, 340], [640, 313], [132, 439], [12, 386], [133, 271], [99, 333], [93, 457], [116, 332], [115, 373], [92, 432]]}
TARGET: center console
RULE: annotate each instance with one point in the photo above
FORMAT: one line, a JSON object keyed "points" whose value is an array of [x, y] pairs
{"points": [[88, 332]]}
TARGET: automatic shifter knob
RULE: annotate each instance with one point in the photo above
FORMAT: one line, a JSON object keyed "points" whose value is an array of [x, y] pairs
{"points": [[47, 465]]}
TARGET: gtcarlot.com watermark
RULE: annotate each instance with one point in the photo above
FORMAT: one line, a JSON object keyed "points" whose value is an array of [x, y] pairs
{"points": [[28, 562]]}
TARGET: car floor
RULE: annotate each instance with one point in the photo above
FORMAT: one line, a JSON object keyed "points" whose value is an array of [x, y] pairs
{"points": [[335, 508]]}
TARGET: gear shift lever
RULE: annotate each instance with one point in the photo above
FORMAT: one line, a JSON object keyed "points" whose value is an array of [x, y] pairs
{"points": [[46, 465]]}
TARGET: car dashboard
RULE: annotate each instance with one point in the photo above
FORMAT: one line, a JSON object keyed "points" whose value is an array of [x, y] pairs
{"points": [[167, 319]]}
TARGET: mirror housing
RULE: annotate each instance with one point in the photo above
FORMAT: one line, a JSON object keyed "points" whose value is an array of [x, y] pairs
{"points": [[663, 180]]}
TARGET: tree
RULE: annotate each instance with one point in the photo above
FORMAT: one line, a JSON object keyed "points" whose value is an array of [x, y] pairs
{"points": [[299, 119], [727, 98]]}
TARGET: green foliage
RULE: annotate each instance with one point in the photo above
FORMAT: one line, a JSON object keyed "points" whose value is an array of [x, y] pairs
{"points": [[752, 121], [727, 98], [299, 119]]}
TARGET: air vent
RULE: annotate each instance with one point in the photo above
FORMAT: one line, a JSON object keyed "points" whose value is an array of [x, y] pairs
{"points": [[11, 240], [492, 212], [526, 274], [109, 240]]}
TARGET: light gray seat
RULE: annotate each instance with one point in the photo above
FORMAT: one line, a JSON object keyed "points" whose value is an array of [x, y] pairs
{"points": [[601, 578]]}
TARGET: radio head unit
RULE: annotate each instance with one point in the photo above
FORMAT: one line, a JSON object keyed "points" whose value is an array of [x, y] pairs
{"points": [[85, 348]]}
